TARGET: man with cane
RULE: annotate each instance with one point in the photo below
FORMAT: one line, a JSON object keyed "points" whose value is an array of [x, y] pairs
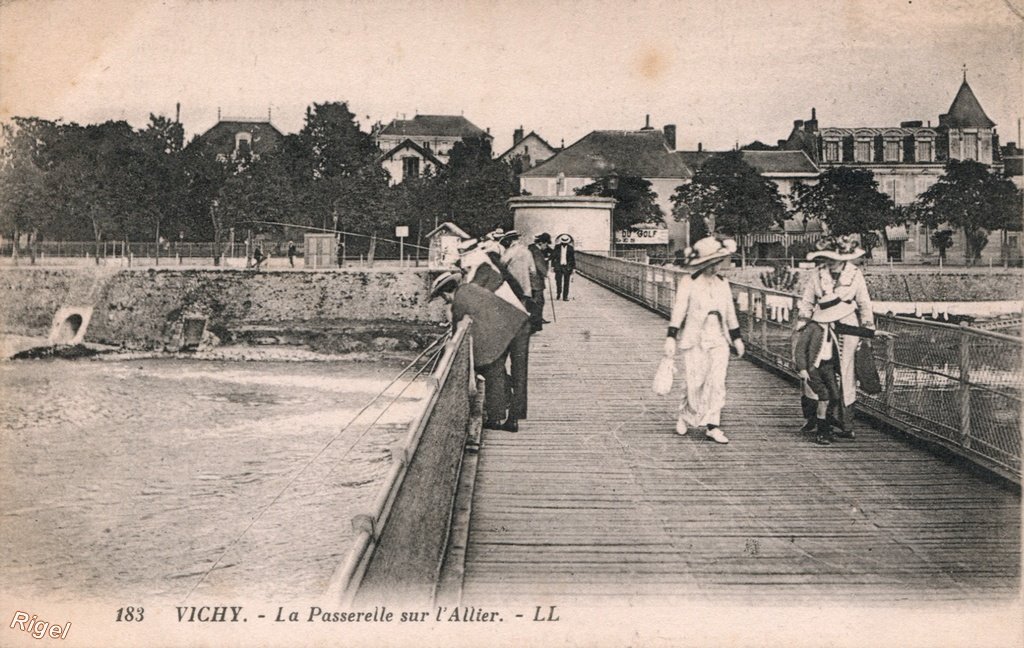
{"points": [[563, 259], [540, 249]]}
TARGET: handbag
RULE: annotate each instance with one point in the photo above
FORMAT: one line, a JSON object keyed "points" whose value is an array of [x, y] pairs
{"points": [[865, 371], [662, 383]]}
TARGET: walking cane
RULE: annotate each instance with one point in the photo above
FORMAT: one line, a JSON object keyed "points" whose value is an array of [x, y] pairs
{"points": [[551, 301]]}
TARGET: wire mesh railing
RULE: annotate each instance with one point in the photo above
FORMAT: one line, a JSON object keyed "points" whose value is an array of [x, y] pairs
{"points": [[957, 386]]}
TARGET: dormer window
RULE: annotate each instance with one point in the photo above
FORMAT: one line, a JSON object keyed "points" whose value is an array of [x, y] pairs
{"points": [[892, 147], [243, 144], [833, 150], [970, 146], [864, 147]]}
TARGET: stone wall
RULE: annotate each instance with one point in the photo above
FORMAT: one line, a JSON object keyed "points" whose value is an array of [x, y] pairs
{"points": [[140, 308], [886, 285]]}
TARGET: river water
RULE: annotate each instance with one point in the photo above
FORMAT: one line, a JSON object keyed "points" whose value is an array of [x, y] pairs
{"points": [[134, 479]]}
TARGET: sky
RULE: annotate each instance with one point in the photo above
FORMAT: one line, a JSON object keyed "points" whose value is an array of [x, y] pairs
{"points": [[725, 72]]}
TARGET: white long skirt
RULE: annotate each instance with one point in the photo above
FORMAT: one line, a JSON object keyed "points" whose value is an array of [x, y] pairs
{"points": [[703, 387]]}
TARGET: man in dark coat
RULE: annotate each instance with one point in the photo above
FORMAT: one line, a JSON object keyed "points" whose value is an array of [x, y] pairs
{"points": [[496, 323], [541, 250], [563, 260]]}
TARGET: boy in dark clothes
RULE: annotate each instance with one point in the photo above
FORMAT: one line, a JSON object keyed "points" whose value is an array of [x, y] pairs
{"points": [[816, 356]]}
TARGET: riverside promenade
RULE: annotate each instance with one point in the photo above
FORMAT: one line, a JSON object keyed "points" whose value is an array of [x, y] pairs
{"points": [[596, 499]]}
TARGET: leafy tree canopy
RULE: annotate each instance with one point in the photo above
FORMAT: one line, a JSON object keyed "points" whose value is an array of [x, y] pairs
{"points": [[635, 201], [730, 196], [847, 201], [970, 197]]}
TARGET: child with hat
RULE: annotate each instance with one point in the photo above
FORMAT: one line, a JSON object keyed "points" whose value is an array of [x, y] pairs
{"points": [[816, 356]]}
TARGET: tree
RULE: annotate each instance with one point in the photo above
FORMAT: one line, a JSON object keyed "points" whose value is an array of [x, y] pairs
{"points": [[635, 201], [24, 160], [847, 201], [159, 170], [971, 198], [475, 187], [730, 197]]}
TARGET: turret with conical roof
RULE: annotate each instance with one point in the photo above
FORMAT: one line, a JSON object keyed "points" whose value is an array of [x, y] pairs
{"points": [[970, 133], [966, 111]]}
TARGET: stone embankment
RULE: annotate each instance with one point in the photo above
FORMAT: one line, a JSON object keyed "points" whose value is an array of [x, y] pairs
{"points": [[331, 311], [896, 286]]}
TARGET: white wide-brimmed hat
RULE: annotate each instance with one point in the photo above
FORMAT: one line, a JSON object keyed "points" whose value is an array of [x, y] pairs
{"points": [[564, 238], [510, 235], [837, 248], [707, 251]]}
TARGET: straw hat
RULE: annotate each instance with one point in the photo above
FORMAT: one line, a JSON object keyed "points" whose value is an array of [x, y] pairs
{"points": [[510, 235], [837, 248], [564, 238], [442, 283], [707, 251]]}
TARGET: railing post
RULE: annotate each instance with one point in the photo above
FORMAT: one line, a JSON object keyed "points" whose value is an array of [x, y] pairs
{"points": [[764, 320], [750, 313], [965, 386], [890, 373]]}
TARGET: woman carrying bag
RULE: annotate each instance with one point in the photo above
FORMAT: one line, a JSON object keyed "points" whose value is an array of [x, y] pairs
{"points": [[705, 315]]}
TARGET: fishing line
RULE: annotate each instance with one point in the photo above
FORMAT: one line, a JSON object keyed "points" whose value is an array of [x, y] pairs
{"points": [[429, 364], [259, 515]]}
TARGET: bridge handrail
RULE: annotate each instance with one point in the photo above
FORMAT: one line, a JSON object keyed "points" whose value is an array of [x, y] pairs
{"points": [[956, 386], [451, 379]]}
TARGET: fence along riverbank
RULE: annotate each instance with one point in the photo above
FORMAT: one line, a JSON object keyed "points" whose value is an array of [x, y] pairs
{"points": [[953, 386]]}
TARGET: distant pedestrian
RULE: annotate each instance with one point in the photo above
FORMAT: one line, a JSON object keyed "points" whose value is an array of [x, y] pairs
{"points": [[541, 251], [258, 257], [563, 260], [837, 277], [496, 323], [705, 312], [291, 253]]}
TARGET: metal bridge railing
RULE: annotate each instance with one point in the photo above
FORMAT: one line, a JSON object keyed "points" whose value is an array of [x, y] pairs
{"points": [[953, 385], [400, 543]]}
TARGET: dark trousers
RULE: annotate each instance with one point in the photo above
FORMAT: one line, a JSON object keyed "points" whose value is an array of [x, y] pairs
{"points": [[537, 310], [562, 283], [519, 353], [496, 389]]}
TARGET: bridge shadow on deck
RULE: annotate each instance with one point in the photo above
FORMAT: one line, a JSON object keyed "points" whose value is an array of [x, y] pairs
{"points": [[596, 498]]}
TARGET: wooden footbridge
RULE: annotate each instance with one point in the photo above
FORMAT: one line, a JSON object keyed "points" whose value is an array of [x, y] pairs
{"points": [[597, 499]]}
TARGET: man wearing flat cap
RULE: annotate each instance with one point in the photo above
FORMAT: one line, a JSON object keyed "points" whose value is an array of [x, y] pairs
{"points": [[496, 323]]}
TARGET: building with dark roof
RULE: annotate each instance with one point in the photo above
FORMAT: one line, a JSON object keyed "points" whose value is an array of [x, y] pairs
{"points": [[527, 151], [234, 138], [408, 160], [434, 133], [907, 159]]}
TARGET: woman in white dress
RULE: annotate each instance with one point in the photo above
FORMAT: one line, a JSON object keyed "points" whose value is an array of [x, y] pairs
{"points": [[705, 315]]}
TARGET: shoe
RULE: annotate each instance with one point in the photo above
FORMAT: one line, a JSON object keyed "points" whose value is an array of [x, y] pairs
{"points": [[545, 322], [681, 427], [844, 434], [716, 434], [822, 440], [510, 425], [492, 425], [809, 426]]}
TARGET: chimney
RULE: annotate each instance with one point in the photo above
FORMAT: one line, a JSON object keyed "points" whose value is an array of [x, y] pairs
{"points": [[700, 146], [177, 113], [670, 136], [811, 124], [798, 124], [814, 114], [647, 124], [218, 113], [517, 136]]}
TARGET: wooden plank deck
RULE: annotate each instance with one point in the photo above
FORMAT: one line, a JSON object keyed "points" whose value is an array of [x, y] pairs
{"points": [[596, 498]]}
